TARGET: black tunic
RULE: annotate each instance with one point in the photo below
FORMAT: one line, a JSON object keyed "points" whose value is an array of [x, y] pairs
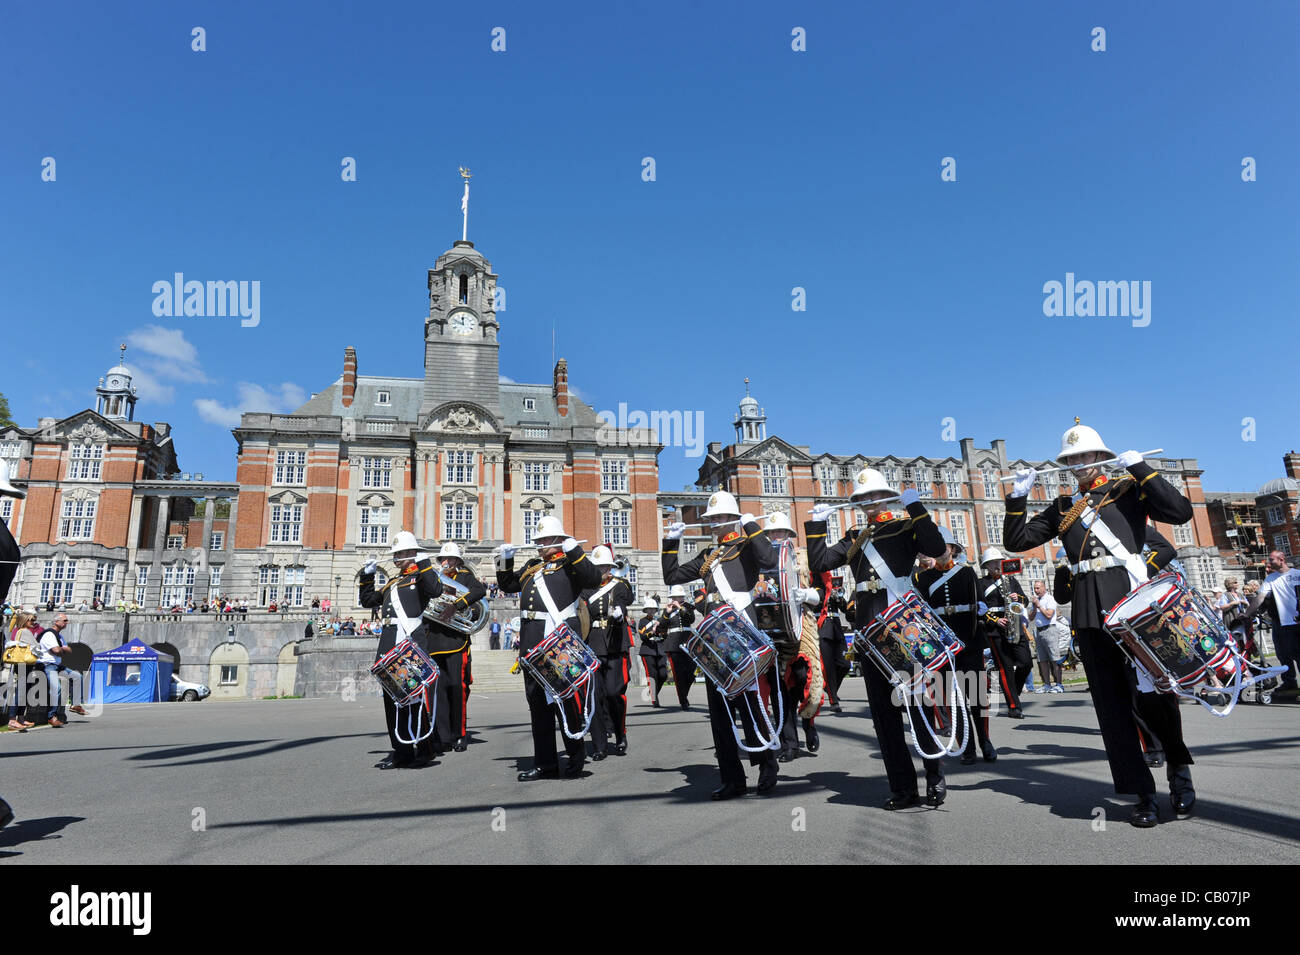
{"points": [[442, 638], [609, 636], [566, 576], [958, 590], [414, 590], [1125, 506]]}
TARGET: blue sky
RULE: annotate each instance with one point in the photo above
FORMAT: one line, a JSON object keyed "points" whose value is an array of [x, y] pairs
{"points": [[775, 169]]}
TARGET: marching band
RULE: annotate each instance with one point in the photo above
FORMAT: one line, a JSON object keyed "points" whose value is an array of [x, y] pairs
{"points": [[764, 629]]}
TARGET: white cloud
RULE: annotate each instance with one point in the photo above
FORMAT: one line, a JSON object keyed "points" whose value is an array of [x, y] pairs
{"points": [[174, 357], [505, 380], [250, 397]]}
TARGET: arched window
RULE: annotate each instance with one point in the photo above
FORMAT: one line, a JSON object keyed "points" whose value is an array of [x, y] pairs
{"points": [[464, 289]]}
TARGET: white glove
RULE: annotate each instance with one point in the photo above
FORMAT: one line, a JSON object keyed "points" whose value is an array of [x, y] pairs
{"points": [[910, 496], [746, 518], [507, 553], [372, 565], [1025, 478], [675, 530], [807, 595], [1129, 458], [821, 512], [983, 608], [616, 612], [569, 544]]}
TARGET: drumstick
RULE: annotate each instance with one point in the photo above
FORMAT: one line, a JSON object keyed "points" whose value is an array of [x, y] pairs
{"points": [[760, 517], [1076, 467], [882, 500]]}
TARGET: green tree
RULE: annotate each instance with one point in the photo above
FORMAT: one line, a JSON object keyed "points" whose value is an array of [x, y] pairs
{"points": [[5, 420]]}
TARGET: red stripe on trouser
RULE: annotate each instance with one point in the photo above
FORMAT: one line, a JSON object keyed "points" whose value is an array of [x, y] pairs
{"points": [[464, 695], [649, 678], [672, 670], [627, 676], [1002, 676]]}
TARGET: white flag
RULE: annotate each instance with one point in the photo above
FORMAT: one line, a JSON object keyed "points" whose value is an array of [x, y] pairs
{"points": [[464, 200]]}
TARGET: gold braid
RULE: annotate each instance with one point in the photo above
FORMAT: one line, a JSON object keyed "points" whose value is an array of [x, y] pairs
{"points": [[1117, 489], [858, 543], [721, 553]]}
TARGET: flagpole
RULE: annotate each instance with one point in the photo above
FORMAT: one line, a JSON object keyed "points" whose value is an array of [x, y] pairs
{"points": [[464, 205]]}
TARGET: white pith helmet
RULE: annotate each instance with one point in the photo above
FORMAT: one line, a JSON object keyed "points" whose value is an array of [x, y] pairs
{"points": [[1079, 440], [7, 489], [403, 540], [948, 538], [549, 526], [649, 604], [990, 554], [722, 504], [869, 481], [602, 556], [677, 590], [779, 521], [450, 549]]}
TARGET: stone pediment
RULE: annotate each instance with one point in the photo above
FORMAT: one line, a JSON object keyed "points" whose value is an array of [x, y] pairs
{"points": [[287, 497], [89, 427], [775, 450], [460, 417]]}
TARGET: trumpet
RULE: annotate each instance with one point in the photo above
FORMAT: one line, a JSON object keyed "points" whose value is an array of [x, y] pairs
{"points": [[386, 567], [497, 550], [620, 568]]}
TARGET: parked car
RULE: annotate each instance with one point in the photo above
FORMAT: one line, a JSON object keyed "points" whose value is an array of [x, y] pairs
{"points": [[182, 690]]}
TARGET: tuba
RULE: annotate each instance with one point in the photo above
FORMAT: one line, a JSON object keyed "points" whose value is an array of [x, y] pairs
{"points": [[468, 621]]}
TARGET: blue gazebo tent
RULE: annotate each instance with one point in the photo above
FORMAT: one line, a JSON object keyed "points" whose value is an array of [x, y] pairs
{"points": [[131, 673]]}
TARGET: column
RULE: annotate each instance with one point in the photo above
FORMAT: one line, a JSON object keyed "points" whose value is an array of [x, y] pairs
{"points": [[153, 590], [203, 578]]}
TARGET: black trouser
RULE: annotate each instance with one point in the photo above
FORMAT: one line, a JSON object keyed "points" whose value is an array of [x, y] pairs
{"points": [[656, 673], [790, 706], [834, 667], [1286, 644], [610, 686], [1113, 697], [412, 722], [683, 671], [1014, 663], [887, 718], [724, 740], [973, 679], [453, 697], [544, 719]]}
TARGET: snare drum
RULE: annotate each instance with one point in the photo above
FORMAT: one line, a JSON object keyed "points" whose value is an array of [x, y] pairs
{"points": [[1171, 633], [908, 638], [730, 650], [562, 663], [777, 613], [405, 672]]}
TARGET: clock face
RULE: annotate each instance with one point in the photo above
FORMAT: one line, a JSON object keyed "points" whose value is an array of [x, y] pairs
{"points": [[463, 323], [114, 382]]}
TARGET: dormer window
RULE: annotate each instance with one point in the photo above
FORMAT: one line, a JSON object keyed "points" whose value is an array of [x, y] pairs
{"points": [[530, 404], [464, 289], [382, 398]]}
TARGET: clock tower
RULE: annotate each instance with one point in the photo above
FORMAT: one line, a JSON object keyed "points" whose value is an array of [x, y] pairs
{"points": [[460, 335], [115, 396]]}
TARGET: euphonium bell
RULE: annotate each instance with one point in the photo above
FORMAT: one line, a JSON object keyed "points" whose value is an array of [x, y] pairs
{"points": [[468, 621]]}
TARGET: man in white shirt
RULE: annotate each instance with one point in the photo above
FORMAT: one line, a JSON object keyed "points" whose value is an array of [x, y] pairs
{"points": [[1045, 614], [49, 649], [1280, 592]]}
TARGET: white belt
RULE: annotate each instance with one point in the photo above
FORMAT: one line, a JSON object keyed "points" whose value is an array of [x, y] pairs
{"points": [[570, 611], [675, 629], [870, 586], [1095, 564], [948, 609]]}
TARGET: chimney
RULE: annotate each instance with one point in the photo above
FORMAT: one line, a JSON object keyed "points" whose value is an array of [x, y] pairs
{"points": [[561, 388], [1291, 464], [349, 375], [1000, 449]]}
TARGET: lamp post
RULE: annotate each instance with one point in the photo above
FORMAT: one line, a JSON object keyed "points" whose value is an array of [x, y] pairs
{"points": [[337, 581]]}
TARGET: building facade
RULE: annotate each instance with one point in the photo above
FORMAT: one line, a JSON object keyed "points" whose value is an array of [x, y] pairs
{"points": [[1248, 526], [456, 455]]}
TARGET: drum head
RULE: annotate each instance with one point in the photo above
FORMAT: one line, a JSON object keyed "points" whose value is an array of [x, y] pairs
{"points": [[1139, 601], [788, 580]]}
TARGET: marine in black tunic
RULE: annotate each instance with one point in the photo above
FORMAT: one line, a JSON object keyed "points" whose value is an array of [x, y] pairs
{"points": [[736, 557], [680, 618], [414, 588], [1124, 505], [650, 631], [898, 540], [450, 649], [611, 640], [564, 574], [1012, 659]]}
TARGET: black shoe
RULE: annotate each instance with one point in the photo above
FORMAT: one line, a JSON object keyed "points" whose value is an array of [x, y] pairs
{"points": [[530, 775], [1146, 813], [1181, 793], [766, 780], [6, 814], [902, 801], [968, 757], [684, 705], [786, 756], [420, 762], [1155, 758], [574, 770], [620, 748], [812, 736], [836, 708], [392, 761], [936, 791], [1016, 714], [990, 754], [460, 745], [654, 703], [728, 791], [598, 756]]}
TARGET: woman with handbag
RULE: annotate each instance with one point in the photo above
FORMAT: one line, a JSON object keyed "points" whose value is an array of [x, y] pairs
{"points": [[20, 657]]}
